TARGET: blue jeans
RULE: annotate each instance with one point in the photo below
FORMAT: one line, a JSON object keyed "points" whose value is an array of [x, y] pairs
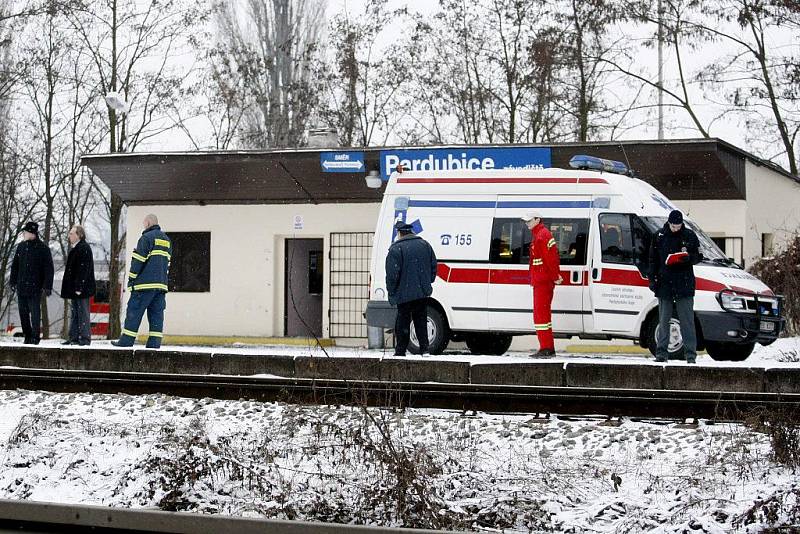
{"points": [[154, 302], [685, 308], [80, 324]]}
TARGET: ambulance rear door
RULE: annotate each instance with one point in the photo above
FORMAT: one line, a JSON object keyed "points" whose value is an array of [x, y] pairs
{"points": [[510, 293], [618, 284]]}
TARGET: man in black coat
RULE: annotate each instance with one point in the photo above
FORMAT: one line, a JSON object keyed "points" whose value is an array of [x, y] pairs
{"points": [[31, 275], [674, 250], [78, 286], [410, 271]]}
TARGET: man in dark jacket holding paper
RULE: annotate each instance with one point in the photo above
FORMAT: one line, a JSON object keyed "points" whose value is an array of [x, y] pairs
{"points": [[674, 250], [410, 271]]}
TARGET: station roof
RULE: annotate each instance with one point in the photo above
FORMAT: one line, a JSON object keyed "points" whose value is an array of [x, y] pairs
{"points": [[686, 169]]}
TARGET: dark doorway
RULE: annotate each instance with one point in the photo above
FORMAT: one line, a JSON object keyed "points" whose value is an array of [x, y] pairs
{"points": [[303, 274]]}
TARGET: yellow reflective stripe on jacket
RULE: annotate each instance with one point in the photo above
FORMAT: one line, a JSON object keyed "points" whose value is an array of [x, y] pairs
{"points": [[162, 243], [537, 261], [140, 287], [160, 253], [128, 333], [543, 326], [155, 334], [139, 257], [551, 243], [132, 275]]}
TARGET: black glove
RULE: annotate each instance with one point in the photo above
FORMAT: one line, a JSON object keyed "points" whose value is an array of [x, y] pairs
{"points": [[48, 292], [653, 285]]}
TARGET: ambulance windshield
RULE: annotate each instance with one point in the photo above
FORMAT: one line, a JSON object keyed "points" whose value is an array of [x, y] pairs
{"points": [[708, 248]]}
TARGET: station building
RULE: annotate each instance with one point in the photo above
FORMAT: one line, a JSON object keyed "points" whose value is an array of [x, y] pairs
{"points": [[277, 243]]}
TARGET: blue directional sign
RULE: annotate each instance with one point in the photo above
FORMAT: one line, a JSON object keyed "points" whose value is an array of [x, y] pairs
{"points": [[342, 161], [464, 158]]}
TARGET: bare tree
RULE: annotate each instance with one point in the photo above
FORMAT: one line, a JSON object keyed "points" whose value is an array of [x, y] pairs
{"points": [[760, 80], [131, 48], [682, 38], [270, 47], [363, 80]]}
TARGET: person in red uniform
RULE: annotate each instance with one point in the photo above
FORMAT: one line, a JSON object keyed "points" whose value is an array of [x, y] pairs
{"points": [[545, 270]]}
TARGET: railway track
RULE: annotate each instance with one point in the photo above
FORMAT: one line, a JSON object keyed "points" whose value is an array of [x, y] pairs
{"points": [[657, 403], [43, 517]]}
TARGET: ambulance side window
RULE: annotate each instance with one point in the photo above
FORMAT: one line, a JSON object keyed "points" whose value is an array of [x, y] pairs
{"points": [[616, 242], [510, 242], [641, 245], [571, 238]]}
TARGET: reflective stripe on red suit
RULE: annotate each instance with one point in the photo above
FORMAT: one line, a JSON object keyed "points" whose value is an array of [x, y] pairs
{"points": [[545, 269]]}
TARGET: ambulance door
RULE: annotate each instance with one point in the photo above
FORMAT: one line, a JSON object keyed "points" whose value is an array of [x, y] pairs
{"points": [[458, 227], [618, 285], [510, 293]]}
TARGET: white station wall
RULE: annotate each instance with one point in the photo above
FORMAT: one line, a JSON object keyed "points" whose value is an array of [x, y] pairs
{"points": [[247, 261], [773, 207]]}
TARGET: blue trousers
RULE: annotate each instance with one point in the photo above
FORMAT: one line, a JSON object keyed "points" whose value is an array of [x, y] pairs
{"points": [[685, 308], [154, 303]]}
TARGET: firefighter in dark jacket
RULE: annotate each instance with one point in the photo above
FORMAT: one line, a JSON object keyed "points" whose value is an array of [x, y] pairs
{"points": [[545, 269], [31, 275], [410, 273], [147, 281], [78, 287], [674, 250]]}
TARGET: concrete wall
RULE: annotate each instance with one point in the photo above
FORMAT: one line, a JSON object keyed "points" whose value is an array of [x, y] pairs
{"points": [[247, 261], [773, 206]]}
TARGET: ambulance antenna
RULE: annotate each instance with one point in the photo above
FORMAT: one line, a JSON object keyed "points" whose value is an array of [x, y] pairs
{"points": [[630, 172]]}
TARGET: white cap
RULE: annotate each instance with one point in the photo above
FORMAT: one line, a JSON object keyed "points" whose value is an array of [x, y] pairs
{"points": [[532, 214]]}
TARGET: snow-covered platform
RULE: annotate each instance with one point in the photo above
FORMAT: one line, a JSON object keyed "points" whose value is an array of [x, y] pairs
{"points": [[619, 372]]}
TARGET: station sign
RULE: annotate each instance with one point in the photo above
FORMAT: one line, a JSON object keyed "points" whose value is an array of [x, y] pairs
{"points": [[342, 161], [462, 158]]}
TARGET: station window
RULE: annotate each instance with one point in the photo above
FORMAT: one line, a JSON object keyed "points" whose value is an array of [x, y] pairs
{"points": [[190, 266], [511, 240]]}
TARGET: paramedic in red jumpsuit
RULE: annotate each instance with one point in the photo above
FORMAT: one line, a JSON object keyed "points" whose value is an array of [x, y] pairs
{"points": [[545, 269]]}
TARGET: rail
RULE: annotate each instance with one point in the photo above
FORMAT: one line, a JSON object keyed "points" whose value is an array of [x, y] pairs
{"points": [[41, 517], [463, 397]]}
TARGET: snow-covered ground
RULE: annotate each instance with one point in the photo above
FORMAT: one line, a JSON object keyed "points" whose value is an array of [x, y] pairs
{"points": [[418, 467]]}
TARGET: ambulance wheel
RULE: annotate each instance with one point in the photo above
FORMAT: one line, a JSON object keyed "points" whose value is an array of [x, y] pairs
{"points": [[438, 333], [675, 346], [732, 352], [490, 344]]}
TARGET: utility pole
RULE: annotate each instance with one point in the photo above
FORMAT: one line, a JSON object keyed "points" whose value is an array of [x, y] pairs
{"points": [[660, 70]]}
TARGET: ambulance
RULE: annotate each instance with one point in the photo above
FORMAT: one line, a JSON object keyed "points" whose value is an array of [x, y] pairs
{"points": [[603, 220]]}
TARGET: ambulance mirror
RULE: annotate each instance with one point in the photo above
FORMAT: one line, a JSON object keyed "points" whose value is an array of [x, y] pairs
{"points": [[401, 203]]}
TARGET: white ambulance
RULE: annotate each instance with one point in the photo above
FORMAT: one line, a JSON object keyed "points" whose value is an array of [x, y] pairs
{"points": [[601, 219]]}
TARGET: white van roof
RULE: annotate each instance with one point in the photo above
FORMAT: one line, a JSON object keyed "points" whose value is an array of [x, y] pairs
{"points": [[640, 196]]}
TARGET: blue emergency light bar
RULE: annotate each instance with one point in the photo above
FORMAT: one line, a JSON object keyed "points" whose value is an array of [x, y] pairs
{"points": [[598, 164]]}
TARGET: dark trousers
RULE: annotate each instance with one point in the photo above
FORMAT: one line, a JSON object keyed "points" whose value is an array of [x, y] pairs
{"points": [[80, 322], [685, 310], [30, 317], [418, 311], [154, 303]]}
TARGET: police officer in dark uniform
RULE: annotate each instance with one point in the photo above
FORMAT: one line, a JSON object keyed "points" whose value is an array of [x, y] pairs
{"points": [[674, 250], [31, 275], [410, 273], [147, 281]]}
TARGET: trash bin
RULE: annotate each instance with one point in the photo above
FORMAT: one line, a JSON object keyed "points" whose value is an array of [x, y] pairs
{"points": [[375, 337]]}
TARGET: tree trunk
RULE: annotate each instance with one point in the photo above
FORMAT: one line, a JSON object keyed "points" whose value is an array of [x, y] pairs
{"points": [[114, 269]]}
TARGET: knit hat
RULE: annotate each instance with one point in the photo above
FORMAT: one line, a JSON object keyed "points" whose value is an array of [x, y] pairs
{"points": [[675, 217], [31, 227]]}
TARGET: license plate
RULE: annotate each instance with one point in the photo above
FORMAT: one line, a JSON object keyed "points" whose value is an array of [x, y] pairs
{"points": [[767, 326]]}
